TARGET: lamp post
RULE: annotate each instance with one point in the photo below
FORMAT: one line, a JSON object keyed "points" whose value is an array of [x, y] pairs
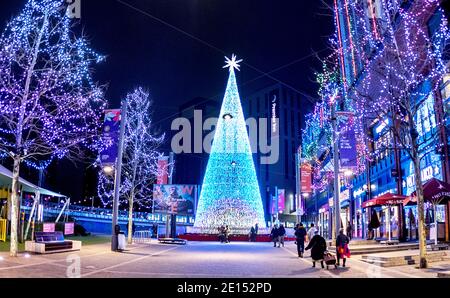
{"points": [[336, 203], [117, 181]]}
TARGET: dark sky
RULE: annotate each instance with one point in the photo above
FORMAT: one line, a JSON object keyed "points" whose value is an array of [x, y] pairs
{"points": [[176, 67]]}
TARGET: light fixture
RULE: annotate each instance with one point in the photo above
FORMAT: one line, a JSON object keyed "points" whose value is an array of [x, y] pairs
{"points": [[233, 163], [305, 194], [373, 187], [227, 116], [348, 173], [108, 169]]}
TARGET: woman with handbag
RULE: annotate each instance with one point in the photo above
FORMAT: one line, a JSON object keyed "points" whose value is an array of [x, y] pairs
{"points": [[342, 250]]}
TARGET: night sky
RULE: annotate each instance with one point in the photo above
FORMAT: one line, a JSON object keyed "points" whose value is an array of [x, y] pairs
{"points": [[176, 48]]}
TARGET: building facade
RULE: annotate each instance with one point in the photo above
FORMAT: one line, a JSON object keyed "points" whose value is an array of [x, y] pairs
{"points": [[390, 170]]}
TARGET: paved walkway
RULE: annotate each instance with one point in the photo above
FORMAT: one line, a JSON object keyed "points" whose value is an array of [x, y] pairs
{"points": [[196, 259]]}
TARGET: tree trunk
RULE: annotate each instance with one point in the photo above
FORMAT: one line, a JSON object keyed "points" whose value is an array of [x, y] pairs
{"points": [[130, 219], [15, 208], [420, 207]]}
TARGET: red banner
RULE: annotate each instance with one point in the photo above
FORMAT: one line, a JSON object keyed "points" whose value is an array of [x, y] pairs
{"points": [[163, 171], [305, 177]]}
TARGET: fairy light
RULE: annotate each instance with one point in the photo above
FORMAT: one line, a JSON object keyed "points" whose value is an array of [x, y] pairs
{"points": [[230, 193], [140, 158]]}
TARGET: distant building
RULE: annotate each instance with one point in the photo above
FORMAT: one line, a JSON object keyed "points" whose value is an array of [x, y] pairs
{"points": [[272, 101]]}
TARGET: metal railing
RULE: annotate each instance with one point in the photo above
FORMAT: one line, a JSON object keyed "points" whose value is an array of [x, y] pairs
{"points": [[142, 237]]}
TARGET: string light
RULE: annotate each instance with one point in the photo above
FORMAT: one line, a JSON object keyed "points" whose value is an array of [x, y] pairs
{"points": [[230, 193]]}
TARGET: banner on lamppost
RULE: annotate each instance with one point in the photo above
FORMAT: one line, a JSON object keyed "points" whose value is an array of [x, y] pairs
{"points": [[305, 178], [281, 201], [111, 134], [163, 170], [347, 140]]}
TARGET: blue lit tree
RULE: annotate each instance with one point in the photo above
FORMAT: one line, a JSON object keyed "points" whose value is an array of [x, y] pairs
{"points": [[49, 104], [230, 193]]}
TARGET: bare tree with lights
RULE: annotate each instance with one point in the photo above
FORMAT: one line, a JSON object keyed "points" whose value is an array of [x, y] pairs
{"points": [[49, 105], [398, 86], [140, 157]]}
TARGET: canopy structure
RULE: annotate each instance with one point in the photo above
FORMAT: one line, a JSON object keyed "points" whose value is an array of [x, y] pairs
{"points": [[6, 178], [386, 199], [434, 190]]}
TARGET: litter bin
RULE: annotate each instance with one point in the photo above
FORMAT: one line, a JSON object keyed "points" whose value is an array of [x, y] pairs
{"points": [[118, 241]]}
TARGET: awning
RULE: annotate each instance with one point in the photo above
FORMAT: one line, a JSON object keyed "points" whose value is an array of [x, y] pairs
{"points": [[6, 179], [386, 199], [433, 190]]}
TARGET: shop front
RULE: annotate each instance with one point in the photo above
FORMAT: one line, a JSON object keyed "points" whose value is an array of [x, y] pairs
{"points": [[436, 195], [324, 221], [385, 210]]}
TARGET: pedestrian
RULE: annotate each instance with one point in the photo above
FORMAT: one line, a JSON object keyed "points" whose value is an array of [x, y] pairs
{"points": [[274, 235], [256, 229], [311, 232], [318, 246], [300, 235], [281, 234], [252, 234], [349, 230], [221, 234], [227, 233], [342, 250]]}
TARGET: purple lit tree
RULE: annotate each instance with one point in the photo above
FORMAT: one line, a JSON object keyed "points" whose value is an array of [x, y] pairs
{"points": [[399, 83], [140, 157], [50, 106]]}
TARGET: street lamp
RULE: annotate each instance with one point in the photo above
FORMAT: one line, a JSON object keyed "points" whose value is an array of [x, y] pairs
{"points": [[108, 169]]}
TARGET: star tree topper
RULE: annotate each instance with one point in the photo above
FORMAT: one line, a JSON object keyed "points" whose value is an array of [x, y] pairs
{"points": [[232, 63]]}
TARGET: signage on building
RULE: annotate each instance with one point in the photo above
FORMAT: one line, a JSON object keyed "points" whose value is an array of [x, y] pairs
{"points": [[174, 198], [163, 173], [69, 228], [111, 134], [305, 177], [48, 227]]}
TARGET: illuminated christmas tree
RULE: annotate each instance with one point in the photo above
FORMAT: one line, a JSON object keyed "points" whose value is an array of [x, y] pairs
{"points": [[230, 193]]}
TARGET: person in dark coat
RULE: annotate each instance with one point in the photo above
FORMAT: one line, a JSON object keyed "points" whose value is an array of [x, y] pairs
{"points": [[349, 230], [252, 234], [274, 235], [281, 234], [318, 246], [300, 234], [342, 251]]}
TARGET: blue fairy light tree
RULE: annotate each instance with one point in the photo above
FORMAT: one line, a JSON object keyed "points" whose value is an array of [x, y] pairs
{"points": [[230, 193]]}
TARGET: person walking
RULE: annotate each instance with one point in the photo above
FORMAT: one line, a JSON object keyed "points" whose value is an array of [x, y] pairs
{"points": [[227, 234], [281, 234], [342, 250], [256, 229], [349, 230], [274, 235], [311, 232], [252, 235], [300, 235], [318, 247]]}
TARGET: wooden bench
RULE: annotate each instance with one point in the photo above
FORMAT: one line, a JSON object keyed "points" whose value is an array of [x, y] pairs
{"points": [[50, 242]]}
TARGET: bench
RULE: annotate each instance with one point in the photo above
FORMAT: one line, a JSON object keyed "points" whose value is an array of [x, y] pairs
{"points": [[50, 242], [441, 246], [172, 240]]}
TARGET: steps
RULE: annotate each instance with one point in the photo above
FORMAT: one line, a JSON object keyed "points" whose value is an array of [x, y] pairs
{"points": [[401, 260], [378, 248]]}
